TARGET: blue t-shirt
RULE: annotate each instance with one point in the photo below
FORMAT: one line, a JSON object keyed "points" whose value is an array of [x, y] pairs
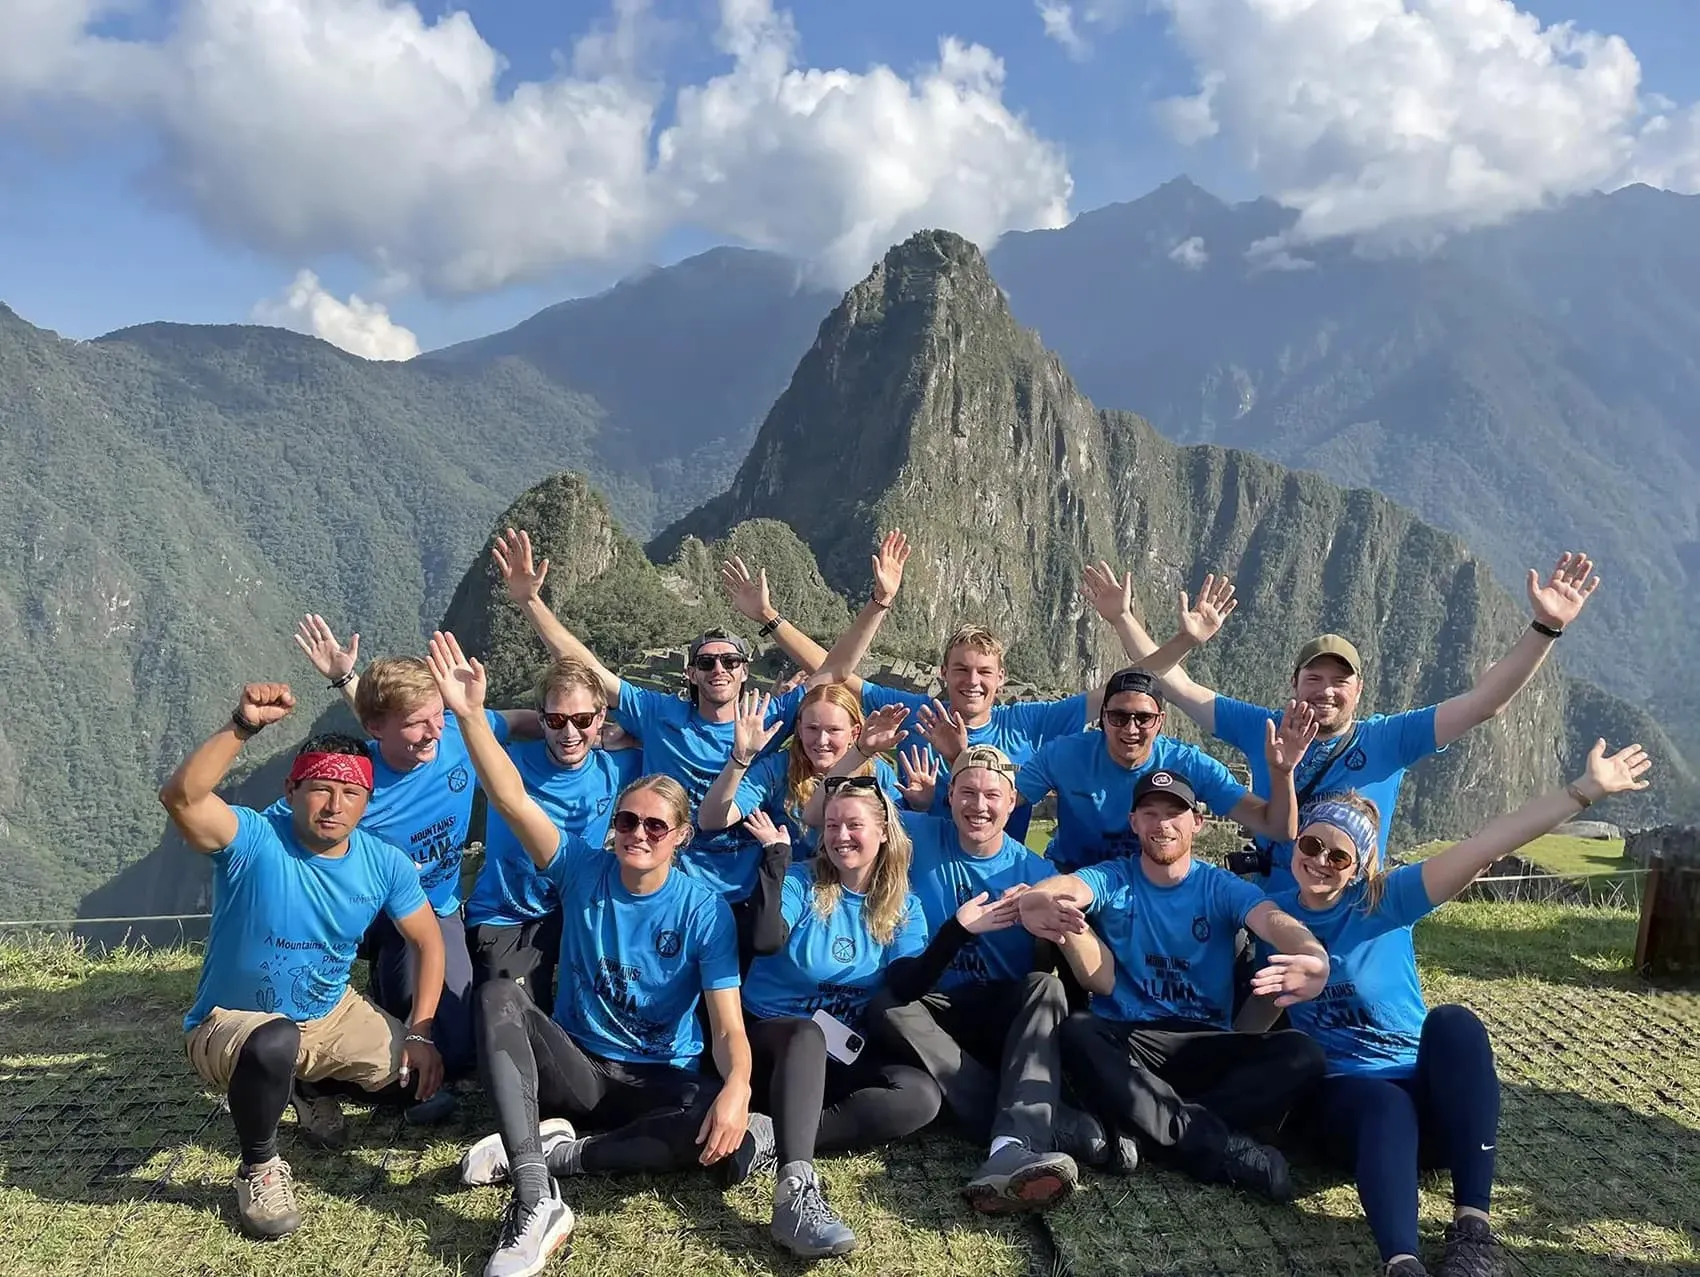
{"points": [[943, 876], [765, 786], [1373, 763], [633, 967], [681, 743], [1369, 1018], [1095, 793], [832, 965], [1018, 728], [285, 922], [579, 800], [1174, 945]]}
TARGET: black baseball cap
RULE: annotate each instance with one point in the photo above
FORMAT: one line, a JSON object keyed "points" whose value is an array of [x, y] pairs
{"points": [[718, 635], [1165, 782], [1134, 679]]}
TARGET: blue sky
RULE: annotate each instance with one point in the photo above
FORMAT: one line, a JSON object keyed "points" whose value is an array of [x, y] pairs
{"points": [[112, 215]]}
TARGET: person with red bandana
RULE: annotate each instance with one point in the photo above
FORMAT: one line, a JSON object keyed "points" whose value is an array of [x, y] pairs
{"points": [[294, 889]]}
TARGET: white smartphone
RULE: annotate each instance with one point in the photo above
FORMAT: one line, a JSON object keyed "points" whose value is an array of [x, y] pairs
{"points": [[843, 1043]]}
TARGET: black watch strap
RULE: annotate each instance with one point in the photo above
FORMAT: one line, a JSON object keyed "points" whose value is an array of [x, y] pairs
{"points": [[242, 725], [772, 627], [1541, 627]]}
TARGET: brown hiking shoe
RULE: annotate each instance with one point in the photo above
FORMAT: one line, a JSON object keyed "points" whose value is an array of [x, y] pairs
{"points": [[319, 1118], [265, 1200]]}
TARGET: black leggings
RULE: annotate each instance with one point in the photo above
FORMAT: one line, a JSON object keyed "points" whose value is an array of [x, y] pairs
{"points": [[820, 1104], [261, 1085], [650, 1113]]}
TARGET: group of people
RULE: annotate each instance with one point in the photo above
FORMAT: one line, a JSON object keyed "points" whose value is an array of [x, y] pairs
{"points": [[720, 931]]}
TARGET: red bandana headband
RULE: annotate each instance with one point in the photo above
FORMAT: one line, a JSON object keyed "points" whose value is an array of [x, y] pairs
{"points": [[347, 769]]}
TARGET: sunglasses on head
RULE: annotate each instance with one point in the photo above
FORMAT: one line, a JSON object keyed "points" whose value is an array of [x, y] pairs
{"points": [[1140, 718], [726, 660], [558, 722], [654, 828], [1337, 857], [834, 784]]}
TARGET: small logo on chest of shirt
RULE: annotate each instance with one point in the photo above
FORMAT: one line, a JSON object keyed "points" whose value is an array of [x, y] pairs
{"points": [[1201, 929], [458, 779], [668, 943], [843, 949], [1355, 761]]}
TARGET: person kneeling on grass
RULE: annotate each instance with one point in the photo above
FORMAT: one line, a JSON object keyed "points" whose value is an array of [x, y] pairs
{"points": [[1408, 1087], [293, 892], [1157, 1057], [850, 921], [640, 944]]}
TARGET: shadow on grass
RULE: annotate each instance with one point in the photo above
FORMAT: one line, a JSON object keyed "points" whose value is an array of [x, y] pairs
{"points": [[1573, 945]]}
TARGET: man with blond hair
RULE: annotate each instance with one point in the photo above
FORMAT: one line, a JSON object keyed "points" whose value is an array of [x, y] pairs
{"points": [[294, 888], [513, 916]]}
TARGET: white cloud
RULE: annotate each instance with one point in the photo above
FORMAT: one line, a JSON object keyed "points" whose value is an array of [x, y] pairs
{"points": [[1063, 22], [1190, 253], [1405, 118], [309, 127], [360, 327]]}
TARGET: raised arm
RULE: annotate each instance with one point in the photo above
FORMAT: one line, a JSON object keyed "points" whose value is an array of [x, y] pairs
{"points": [[750, 599], [320, 645], [1277, 817], [461, 683], [1556, 603], [205, 820], [524, 580], [1447, 873], [750, 735], [1112, 597]]}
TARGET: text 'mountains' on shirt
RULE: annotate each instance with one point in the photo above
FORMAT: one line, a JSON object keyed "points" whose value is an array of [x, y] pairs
{"points": [[828, 964], [1173, 945], [632, 968], [286, 922]]}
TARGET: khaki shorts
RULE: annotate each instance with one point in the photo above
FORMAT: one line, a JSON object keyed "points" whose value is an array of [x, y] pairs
{"points": [[355, 1042]]}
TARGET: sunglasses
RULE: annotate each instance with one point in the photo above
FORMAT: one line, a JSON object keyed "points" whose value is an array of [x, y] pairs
{"points": [[1311, 846], [654, 828], [1140, 718], [726, 661], [833, 784], [558, 722]]}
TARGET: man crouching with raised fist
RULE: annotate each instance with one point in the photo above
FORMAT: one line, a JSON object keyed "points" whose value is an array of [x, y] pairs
{"points": [[293, 892]]}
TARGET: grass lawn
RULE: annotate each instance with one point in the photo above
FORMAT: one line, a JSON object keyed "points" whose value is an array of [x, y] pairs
{"points": [[113, 1161], [1559, 854]]}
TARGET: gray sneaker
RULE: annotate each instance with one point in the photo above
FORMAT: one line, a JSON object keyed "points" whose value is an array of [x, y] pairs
{"points": [[802, 1221], [755, 1155], [265, 1200], [1015, 1178], [319, 1118], [486, 1162], [1471, 1250], [530, 1237]]}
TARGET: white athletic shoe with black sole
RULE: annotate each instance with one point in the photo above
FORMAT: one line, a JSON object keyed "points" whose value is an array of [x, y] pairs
{"points": [[531, 1238], [486, 1162]]}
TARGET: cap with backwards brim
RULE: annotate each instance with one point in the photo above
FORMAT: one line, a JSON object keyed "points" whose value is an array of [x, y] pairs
{"points": [[990, 757], [1134, 679], [1162, 781], [1329, 645], [718, 636]]}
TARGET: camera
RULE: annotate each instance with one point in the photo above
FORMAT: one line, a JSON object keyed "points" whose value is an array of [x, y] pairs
{"points": [[1251, 860], [854, 1043]]}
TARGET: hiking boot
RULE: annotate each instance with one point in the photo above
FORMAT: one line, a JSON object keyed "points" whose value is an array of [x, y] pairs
{"points": [[486, 1162], [1471, 1250], [757, 1155], [530, 1236], [442, 1107], [265, 1200], [1409, 1266], [802, 1221], [1081, 1136], [1258, 1167], [319, 1118], [1015, 1178]]}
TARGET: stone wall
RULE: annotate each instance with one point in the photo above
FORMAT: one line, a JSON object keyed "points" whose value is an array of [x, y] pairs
{"points": [[1678, 844]]}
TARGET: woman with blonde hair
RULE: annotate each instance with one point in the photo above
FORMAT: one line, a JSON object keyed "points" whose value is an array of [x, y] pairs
{"points": [[640, 946], [1409, 1087], [848, 915]]}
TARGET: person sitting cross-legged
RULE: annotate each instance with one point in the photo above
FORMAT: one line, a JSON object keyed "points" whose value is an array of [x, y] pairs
{"points": [[293, 892], [1157, 1058], [640, 945], [1409, 1087]]}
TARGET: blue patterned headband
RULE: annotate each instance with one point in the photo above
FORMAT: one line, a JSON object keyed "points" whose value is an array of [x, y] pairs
{"points": [[1349, 821]]}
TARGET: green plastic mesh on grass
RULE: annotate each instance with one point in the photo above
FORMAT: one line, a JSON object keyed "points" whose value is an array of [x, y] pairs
{"points": [[113, 1161]]}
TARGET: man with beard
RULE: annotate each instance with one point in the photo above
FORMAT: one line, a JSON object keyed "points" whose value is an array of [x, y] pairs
{"points": [[294, 889], [689, 740], [1369, 755], [1156, 1057], [514, 915]]}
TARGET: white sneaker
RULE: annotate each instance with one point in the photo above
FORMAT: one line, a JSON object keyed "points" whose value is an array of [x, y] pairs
{"points": [[486, 1162], [530, 1238]]}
